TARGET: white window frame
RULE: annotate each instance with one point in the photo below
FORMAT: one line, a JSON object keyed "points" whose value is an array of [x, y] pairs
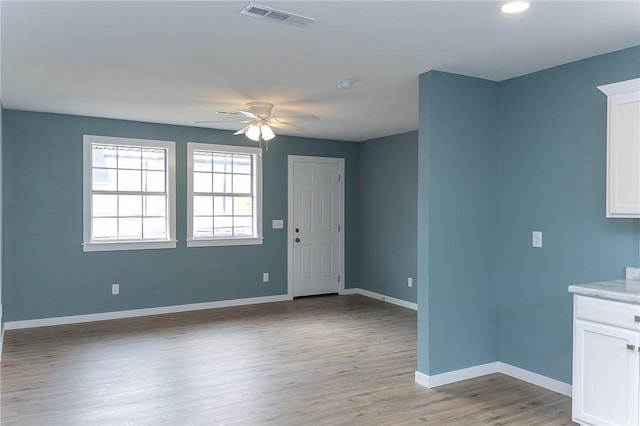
{"points": [[257, 201], [89, 244]]}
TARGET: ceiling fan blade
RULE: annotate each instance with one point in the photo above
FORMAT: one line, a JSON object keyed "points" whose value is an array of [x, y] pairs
{"points": [[237, 120], [294, 118], [285, 126], [243, 130], [248, 114]]}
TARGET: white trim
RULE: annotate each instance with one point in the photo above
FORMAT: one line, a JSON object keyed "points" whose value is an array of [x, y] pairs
{"points": [[490, 368], [382, 297], [341, 217], [620, 87], [76, 319], [257, 192], [225, 242], [1, 331], [535, 379], [456, 375], [124, 245], [88, 244]]}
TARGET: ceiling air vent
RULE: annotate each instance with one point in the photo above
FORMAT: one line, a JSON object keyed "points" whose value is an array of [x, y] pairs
{"points": [[264, 12]]}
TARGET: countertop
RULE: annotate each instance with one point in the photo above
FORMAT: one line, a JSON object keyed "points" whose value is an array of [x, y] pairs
{"points": [[620, 290]]}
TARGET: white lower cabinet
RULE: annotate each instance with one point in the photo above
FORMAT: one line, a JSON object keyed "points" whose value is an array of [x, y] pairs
{"points": [[606, 362]]}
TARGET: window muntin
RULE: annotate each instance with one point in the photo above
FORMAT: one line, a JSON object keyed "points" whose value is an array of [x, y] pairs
{"points": [[224, 186], [129, 194]]}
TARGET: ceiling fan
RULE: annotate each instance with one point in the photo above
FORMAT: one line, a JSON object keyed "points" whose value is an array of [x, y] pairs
{"points": [[259, 121]]}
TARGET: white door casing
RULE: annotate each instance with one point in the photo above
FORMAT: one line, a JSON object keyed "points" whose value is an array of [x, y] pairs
{"points": [[315, 225]]}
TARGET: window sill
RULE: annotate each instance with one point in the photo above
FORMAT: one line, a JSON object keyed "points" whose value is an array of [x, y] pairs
{"points": [[225, 242], [133, 245]]}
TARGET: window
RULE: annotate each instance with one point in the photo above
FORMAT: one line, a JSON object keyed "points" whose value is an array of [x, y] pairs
{"points": [[224, 198], [129, 194]]}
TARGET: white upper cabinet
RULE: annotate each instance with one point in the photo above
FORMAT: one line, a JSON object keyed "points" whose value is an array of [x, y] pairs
{"points": [[623, 148]]}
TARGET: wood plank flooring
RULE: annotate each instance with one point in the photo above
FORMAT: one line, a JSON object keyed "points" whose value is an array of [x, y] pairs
{"points": [[336, 360]]}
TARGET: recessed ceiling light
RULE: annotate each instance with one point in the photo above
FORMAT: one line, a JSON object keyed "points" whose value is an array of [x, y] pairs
{"points": [[515, 7], [345, 84]]}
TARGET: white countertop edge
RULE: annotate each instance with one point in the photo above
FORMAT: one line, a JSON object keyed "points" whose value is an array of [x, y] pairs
{"points": [[627, 291]]}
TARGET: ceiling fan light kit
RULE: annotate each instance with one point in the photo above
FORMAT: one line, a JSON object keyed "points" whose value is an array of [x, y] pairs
{"points": [[260, 122]]}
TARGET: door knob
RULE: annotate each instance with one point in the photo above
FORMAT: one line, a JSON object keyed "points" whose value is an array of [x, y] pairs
{"points": [[297, 240]]}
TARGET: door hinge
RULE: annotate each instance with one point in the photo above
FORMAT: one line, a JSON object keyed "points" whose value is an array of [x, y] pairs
{"points": [[338, 228], [339, 177], [338, 277]]}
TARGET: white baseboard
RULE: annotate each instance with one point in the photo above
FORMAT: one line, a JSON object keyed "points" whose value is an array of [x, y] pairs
{"points": [[456, 375], [1, 331], [535, 378], [493, 367], [75, 319], [382, 297]]}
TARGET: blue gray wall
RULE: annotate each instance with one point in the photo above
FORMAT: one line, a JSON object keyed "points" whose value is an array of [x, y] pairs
{"points": [[552, 179], [457, 198], [496, 162], [47, 274], [387, 212]]}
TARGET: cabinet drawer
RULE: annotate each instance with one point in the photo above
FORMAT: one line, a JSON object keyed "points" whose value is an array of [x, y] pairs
{"points": [[610, 312]]}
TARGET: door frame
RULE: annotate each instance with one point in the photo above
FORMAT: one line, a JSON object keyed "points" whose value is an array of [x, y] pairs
{"points": [[291, 159]]}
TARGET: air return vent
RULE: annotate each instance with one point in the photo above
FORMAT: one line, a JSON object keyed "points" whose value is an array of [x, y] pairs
{"points": [[264, 12]]}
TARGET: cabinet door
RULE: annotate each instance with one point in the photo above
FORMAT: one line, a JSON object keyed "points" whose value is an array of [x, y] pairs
{"points": [[623, 148], [606, 375]]}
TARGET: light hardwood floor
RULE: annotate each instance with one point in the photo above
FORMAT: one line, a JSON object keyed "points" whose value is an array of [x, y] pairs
{"points": [[330, 360]]}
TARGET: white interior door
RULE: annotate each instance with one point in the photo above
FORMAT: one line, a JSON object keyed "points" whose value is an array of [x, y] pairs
{"points": [[315, 216]]}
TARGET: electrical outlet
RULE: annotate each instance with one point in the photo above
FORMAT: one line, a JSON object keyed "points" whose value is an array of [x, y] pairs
{"points": [[536, 239], [265, 277], [410, 282], [115, 288]]}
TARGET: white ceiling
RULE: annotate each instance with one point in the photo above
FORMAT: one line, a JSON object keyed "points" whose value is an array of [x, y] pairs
{"points": [[178, 62]]}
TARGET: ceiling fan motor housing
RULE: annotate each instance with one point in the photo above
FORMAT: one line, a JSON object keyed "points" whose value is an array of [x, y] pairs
{"points": [[260, 109]]}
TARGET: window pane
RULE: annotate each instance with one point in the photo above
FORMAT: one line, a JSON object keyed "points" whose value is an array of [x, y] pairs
{"points": [[104, 156], [202, 227], [242, 206], [153, 181], [243, 222], [222, 163], [154, 205], [223, 232], [243, 232], [155, 227], [129, 180], [223, 206], [201, 162], [130, 228], [105, 205], [129, 158], [242, 184], [221, 182], [203, 206], [242, 164], [222, 222], [130, 205], [104, 229], [153, 159], [104, 180], [202, 182]]}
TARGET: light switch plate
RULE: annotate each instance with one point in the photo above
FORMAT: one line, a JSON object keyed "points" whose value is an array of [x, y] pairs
{"points": [[536, 239], [277, 223]]}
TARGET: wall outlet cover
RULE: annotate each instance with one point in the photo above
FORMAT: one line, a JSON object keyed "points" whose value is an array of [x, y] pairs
{"points": [[536, 239]]}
